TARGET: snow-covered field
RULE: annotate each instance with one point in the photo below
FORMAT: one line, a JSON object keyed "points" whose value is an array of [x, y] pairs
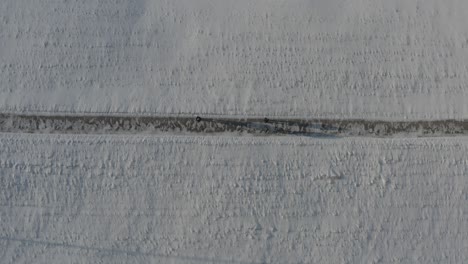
{"points": [[120, 199], [375, 59], [231, 198]]}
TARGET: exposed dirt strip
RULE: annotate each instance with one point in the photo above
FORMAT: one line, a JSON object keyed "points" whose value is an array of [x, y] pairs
{"points": [[99, 124]]}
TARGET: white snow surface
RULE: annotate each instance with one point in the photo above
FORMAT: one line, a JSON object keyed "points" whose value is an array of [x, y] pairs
{"points": [[163, 199], [227, 199], [378, 59]]}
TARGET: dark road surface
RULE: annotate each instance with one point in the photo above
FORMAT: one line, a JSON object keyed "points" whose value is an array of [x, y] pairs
{"points": [[75, 124]]}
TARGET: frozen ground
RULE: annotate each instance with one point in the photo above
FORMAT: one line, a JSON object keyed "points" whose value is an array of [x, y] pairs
{"points": [[160, 199], [374, 59], [232, 198]]}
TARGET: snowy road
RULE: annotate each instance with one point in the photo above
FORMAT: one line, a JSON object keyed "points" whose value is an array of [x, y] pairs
{"points": [[99, 124]]}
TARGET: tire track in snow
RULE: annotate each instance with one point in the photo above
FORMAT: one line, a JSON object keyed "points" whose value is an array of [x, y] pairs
{"points": [[100, 124]]}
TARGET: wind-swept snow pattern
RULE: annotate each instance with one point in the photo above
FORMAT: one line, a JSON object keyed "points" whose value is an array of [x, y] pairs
{"points": [[233, 131], [166, 199], [354, 59]]}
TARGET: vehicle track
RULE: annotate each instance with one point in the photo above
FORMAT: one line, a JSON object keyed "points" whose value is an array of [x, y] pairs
{"points": [[99, 124]]}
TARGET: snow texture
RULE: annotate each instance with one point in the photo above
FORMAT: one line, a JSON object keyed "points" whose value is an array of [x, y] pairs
{"points": [[374, 59], [120, 199], [225, 199]]}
